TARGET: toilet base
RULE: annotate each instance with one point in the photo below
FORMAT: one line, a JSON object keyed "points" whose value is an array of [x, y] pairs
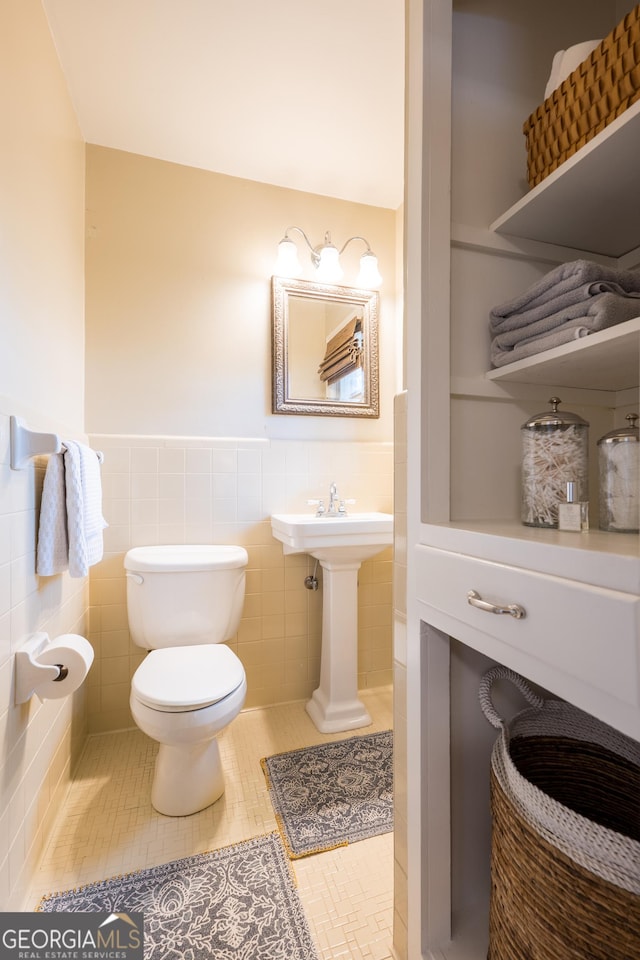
{"points": [[187, 778]]}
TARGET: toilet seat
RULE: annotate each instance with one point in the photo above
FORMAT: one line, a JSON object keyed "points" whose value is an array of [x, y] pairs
{"points": [[182, 679]]}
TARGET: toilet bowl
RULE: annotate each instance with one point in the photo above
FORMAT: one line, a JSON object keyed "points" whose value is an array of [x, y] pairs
{"points": [[183, 601]]}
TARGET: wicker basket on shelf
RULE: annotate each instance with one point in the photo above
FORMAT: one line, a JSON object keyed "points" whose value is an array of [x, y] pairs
{"points": [[565, 848], [601, 88]]}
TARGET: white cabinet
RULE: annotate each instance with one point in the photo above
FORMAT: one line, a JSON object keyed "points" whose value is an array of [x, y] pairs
{"points": [[476, 72], [577, 639]]}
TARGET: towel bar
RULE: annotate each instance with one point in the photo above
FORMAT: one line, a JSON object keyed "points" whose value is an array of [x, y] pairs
{"points": [[26, 444]]}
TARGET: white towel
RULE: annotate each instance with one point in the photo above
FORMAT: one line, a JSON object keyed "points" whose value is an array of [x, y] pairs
{"points": [[85, 522], [53, 545], [71, 521]]}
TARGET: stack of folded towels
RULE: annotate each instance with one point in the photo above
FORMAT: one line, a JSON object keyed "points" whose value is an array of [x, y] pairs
{"points": [[572, 301]]}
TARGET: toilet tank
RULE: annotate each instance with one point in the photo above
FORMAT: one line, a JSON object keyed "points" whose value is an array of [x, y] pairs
{"points": [[184, 594]]}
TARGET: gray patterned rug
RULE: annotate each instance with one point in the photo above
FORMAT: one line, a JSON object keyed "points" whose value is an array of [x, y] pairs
{"points": [[332, 794], [237, 902]]}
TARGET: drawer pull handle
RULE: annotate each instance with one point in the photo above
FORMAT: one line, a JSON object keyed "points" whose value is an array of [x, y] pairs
{"points": [[513, 609]]}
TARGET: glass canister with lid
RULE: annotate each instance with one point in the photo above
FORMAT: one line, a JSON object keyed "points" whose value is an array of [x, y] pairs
{"points": [[619, 476], [554, 453]]}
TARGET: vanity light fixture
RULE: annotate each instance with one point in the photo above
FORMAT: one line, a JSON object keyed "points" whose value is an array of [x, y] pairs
{"points": [[326, 259]]}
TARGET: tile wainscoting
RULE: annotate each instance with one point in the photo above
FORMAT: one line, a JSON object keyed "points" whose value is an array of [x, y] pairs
{"points": [[41, 741], [208, 490]]}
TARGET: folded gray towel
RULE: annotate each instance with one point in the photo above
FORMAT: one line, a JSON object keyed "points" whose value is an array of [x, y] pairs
{"points": [[594, 305], [574, 330], [603, 311], [562, 288]]}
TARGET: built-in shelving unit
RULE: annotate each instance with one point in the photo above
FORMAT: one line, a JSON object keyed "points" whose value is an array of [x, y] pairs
{"points": [[606, 360], [581, 592], [591, 202], [558, 211]]}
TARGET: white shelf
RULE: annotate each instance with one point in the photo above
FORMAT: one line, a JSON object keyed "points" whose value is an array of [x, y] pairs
{"points": [[604, 559], [591, 202], [607, 360]]}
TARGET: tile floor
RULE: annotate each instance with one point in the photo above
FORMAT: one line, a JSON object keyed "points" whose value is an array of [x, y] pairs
{"points": [[108, 827]]}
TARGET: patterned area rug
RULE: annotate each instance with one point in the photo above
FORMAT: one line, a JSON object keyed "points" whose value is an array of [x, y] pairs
{"points": [[332, 794], [237, 902]]}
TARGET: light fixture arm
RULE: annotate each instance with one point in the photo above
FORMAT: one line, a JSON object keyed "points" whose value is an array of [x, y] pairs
{"points": [[347, 242], [304, 236], [314, 251]]}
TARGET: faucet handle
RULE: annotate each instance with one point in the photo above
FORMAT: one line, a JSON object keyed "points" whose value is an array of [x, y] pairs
{"points": [[342, 509], [319, 504]]}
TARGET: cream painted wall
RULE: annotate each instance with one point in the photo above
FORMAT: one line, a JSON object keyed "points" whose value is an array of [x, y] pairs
{"points": [[179, 262], [41, 222], [41, 379]]}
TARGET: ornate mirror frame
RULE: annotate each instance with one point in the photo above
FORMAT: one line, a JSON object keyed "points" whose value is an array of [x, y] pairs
{"points": [[284, 294]]}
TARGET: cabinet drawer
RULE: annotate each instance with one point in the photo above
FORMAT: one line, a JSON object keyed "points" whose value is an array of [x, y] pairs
{"points": [[585, 631]]}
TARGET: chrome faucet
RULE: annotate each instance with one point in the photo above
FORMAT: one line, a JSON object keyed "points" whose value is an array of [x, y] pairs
{"points": [[333, 498], [336, 508]]}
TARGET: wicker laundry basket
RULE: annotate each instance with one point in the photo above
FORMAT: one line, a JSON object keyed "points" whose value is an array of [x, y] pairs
{"points": [[601, 88], [565, 849]]}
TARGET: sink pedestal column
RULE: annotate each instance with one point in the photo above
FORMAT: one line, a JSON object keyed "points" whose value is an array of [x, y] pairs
{"points": [[335, 706]]}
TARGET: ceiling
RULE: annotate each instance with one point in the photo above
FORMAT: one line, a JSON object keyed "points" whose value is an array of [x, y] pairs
{"points": [[288, 92]]}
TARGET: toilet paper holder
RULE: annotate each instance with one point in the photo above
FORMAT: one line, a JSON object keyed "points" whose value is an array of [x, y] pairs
{"points": [[30, 674]]}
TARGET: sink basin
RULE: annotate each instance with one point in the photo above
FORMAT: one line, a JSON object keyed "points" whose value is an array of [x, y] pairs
{"points": [[340, 544], [354, 537]]}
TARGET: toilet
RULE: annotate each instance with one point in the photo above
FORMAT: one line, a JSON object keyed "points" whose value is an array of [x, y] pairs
{"points": [[183, 602]]}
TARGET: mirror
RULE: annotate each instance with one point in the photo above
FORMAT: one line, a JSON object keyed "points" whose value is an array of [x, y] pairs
{"points": [[325, 349]]}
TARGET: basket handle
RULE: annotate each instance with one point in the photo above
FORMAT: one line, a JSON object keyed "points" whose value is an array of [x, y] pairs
{"points": [[484, 693]]}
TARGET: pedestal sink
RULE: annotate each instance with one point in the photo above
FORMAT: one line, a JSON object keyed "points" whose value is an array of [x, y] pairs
{"points": [[340, 543]]}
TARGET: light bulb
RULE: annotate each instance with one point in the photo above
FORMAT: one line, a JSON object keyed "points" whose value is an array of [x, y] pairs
{"points": [[329, 269], [288, 263], [369, 275]]}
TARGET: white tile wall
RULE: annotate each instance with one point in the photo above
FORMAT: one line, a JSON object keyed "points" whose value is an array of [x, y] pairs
{"points": [[176, 490], [40, 741]]}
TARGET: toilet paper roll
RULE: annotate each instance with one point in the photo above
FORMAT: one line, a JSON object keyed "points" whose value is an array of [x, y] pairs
{"points": [[71, 651]]}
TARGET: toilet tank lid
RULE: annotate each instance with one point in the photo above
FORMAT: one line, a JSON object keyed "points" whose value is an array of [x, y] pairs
{"points": [[176, 558]]}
